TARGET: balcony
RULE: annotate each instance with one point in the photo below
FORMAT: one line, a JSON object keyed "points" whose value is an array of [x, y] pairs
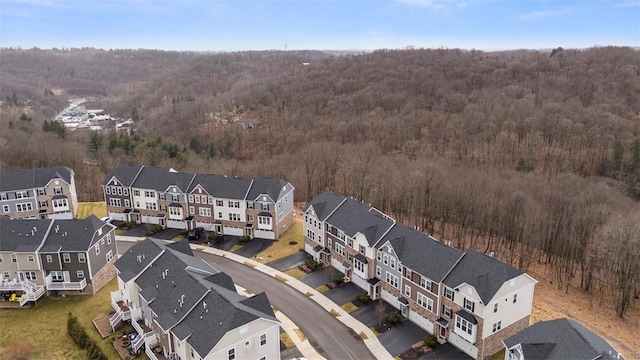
{"points": [[32, 292], [122, 311], [65, 285]]}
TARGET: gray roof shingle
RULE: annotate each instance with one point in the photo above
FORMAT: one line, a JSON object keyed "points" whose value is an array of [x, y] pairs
{"points": [[33, 178], [125, 173], [222, 186], [22, 235], [160, 179], [138, 257], [353, 216], [561, 339], [324, 204], [421, 252], [75, 234], [483, 272], [274, 188]]}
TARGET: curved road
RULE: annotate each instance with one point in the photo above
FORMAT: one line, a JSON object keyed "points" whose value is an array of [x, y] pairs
{"points": [[330, 337]]}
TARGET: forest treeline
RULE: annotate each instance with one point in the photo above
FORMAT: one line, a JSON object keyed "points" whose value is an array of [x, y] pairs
{"points": [[532, 155]]}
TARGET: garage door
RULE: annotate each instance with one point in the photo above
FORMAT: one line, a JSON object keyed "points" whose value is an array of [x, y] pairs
{"points": [[147, 219], [263, 234], [176, 224], [118, 216], [230, 230], [390, 298], [207, 226], [462, 344], [421, 321]]}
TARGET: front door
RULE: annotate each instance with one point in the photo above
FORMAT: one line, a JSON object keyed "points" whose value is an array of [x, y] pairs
{"points": [[21, 276], [443, 332], [162, 223], [405, 310], [250, 232]]}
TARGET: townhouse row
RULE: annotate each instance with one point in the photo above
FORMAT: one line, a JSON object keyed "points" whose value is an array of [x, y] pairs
{"points": [[469, 299], [53, 255], [256, 207], [44, 193], [182, 308]]}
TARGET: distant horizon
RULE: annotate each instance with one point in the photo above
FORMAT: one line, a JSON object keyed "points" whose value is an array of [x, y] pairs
{"points": [[325, 25]]}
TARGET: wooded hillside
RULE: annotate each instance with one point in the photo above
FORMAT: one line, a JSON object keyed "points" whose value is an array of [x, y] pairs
{"points": [[532, 155]]}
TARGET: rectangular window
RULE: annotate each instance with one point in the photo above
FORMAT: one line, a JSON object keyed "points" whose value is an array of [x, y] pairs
{"points": [[125, 191], [108, 238], [204, 212], [82, 258], [263, 339], [66, 257], [234, 217], [3, 196], [175, 198], [425, 302], [30, 258], [264, 220], [109, 255], [59, 203], [497, 326], [21, 194], [136, 192], [43, 204], [515, 298], [392, 280], [234, 204], [6, 275], [161, 196], [210, 200], [407, 290], [97, 249], [350, 242], [31, 275], [340, 249], [107, 189], [464, 325], [0, 258], [385, 259], [378, 271], [24, 207], [150, 194], [42, 192], [407, 273], [5, 208], [425, 283], [469, 305], [379, 256], [57, 190], [175, 211], [231, 354], [127, 203], [393, 263], [119, 191], [49, 258], [328, 242], [265, 207], [190, 197], [249, 204], [114, 202], [448, 293], [150, 206], [56, 276], [447, 311], [80, 274], [13, 258], [495, 308], [192, 210], [197, 199], [250, 217], [219, 203]]}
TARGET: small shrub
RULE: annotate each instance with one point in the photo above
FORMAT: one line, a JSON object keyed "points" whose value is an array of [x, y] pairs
{"points": [[364, 298], [243, 240], [431, 341], [184, 232], [213, 235], [338, 279], [311, 264], [393, 318]]}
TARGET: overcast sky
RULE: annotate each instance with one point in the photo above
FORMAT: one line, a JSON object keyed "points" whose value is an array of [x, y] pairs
{"points": [[228, 25]]}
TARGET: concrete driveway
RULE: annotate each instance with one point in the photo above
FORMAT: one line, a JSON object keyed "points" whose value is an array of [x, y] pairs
{"points": [[445, 352], [290, 261], [401, 337], [142, 229], [367, 315], [315, 278], [253, 247], [344, 293], [225, 242]]}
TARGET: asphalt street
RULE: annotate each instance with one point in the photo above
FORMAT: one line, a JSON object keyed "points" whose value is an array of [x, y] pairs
{"points": [[332, 339]]}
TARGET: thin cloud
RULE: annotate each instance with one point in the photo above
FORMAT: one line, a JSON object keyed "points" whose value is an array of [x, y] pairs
{"points": [[542, 14], [436, 4]]}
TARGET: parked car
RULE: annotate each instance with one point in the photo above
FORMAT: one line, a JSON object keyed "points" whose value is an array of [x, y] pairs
{"points": [[195, 233], [106, 219]]}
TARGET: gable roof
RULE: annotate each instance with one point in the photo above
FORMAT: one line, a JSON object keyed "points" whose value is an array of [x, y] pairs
{"points": [[483, 272], [75, 234], [353, 216], [421, 252], [189, 297], [561, 339], [24, 235], [324, 204], [33, 178], [125, 173], [274, 188], [222, 186], [151, 177]]}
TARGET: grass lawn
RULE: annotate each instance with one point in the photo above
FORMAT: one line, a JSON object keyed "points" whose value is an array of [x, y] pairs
{"points": [[498, 356], [295, 272], [281, 247], [44, 327], [348, 307], [99, 209]]}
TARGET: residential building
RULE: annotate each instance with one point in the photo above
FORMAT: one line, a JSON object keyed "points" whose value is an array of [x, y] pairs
{"points": [[559, 339], [257, 207], [458, 296], [69, 256], [42, 193], [183, 308]]}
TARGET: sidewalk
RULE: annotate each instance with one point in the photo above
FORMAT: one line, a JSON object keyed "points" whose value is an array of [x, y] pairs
{"points": [[369, 338]]}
